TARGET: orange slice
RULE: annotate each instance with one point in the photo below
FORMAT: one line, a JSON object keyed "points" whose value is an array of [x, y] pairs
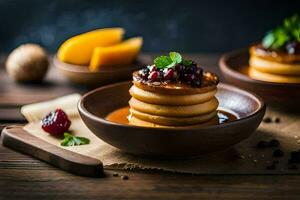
{"points": [[117, 55], [78, 49]]}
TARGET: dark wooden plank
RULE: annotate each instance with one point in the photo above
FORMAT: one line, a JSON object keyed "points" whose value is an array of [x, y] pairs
{"points": [[15, 138], [11, 114], [16, 94], [22, 177]]}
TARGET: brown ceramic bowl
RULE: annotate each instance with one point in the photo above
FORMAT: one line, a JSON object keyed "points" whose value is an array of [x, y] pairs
{"points": [[170, 142], [234, 67], [83, 76]]}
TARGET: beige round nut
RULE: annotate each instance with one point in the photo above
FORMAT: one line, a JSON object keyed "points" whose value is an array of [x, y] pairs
{"points": [[27, 63]]}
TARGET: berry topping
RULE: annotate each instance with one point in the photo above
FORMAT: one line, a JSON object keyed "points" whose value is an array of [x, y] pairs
{"points": [[199, 72], [168, 74], [189, 77], [144, 73], [191, 69], [154, 76], [180, 68], [293, 47], [172, 68], [152, 68], [56, 122]]}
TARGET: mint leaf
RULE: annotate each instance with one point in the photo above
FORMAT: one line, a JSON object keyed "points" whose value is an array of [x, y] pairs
{"points": [[187, 62], [175, 57], [288, 31], [70, 140], [268, 40], [275, 38], [163, 62]]}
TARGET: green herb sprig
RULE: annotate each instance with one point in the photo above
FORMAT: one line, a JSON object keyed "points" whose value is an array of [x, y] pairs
{"points": [[174, 58], [288, 31], [71, 140]]}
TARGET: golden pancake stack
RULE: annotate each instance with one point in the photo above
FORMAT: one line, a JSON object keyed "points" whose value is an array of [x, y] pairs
{"points": [[167, 106], [274, 66]]}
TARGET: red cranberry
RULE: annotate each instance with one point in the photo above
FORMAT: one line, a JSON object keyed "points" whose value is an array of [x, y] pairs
{"points": [[168, 74], [56, 122], [154, 76]]}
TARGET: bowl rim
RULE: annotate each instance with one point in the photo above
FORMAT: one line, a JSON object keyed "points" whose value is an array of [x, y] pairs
{"points": [[83, 111], [229, 70], [83, 68]]}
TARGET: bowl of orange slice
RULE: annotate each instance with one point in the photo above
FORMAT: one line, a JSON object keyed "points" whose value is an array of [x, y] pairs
{"points": [[99, 57]]}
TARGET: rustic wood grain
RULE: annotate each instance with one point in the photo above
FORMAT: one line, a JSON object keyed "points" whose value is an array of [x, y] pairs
{"points": [[11, 115], [22, 177]]}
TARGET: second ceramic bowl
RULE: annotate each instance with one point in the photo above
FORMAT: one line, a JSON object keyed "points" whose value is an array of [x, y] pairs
{"points": [[234, 67], [83, 76]]}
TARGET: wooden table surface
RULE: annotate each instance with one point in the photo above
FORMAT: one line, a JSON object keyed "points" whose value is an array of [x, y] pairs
{"points": [[23, 177]]}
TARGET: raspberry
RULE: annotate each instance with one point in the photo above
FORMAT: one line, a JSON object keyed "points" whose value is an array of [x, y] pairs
{"points": [[154, 76], [56, 122], [168, 74]]}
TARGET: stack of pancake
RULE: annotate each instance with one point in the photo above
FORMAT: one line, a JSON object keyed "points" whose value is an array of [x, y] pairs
{"points": [[172, 104], [274, 66]]}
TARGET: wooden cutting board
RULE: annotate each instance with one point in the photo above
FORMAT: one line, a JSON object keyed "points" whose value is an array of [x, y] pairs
{"points": [[18, 139]]}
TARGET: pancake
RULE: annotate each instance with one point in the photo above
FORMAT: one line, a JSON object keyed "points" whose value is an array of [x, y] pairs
{"points": [[276, 78], [175, 111], [275, 56], [172, 121], [164, 99], [173, 96], [138, 122], [273, 67]]}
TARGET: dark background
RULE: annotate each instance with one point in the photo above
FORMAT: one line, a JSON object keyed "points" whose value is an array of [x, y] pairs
{"points": [[183, 25]]}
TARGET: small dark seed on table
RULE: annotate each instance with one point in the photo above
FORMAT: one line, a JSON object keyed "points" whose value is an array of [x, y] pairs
{"points": [[277, 120], [274, 143], [115, 174], [262, 144], [278, 153], [267, 120], [124, 177]]}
